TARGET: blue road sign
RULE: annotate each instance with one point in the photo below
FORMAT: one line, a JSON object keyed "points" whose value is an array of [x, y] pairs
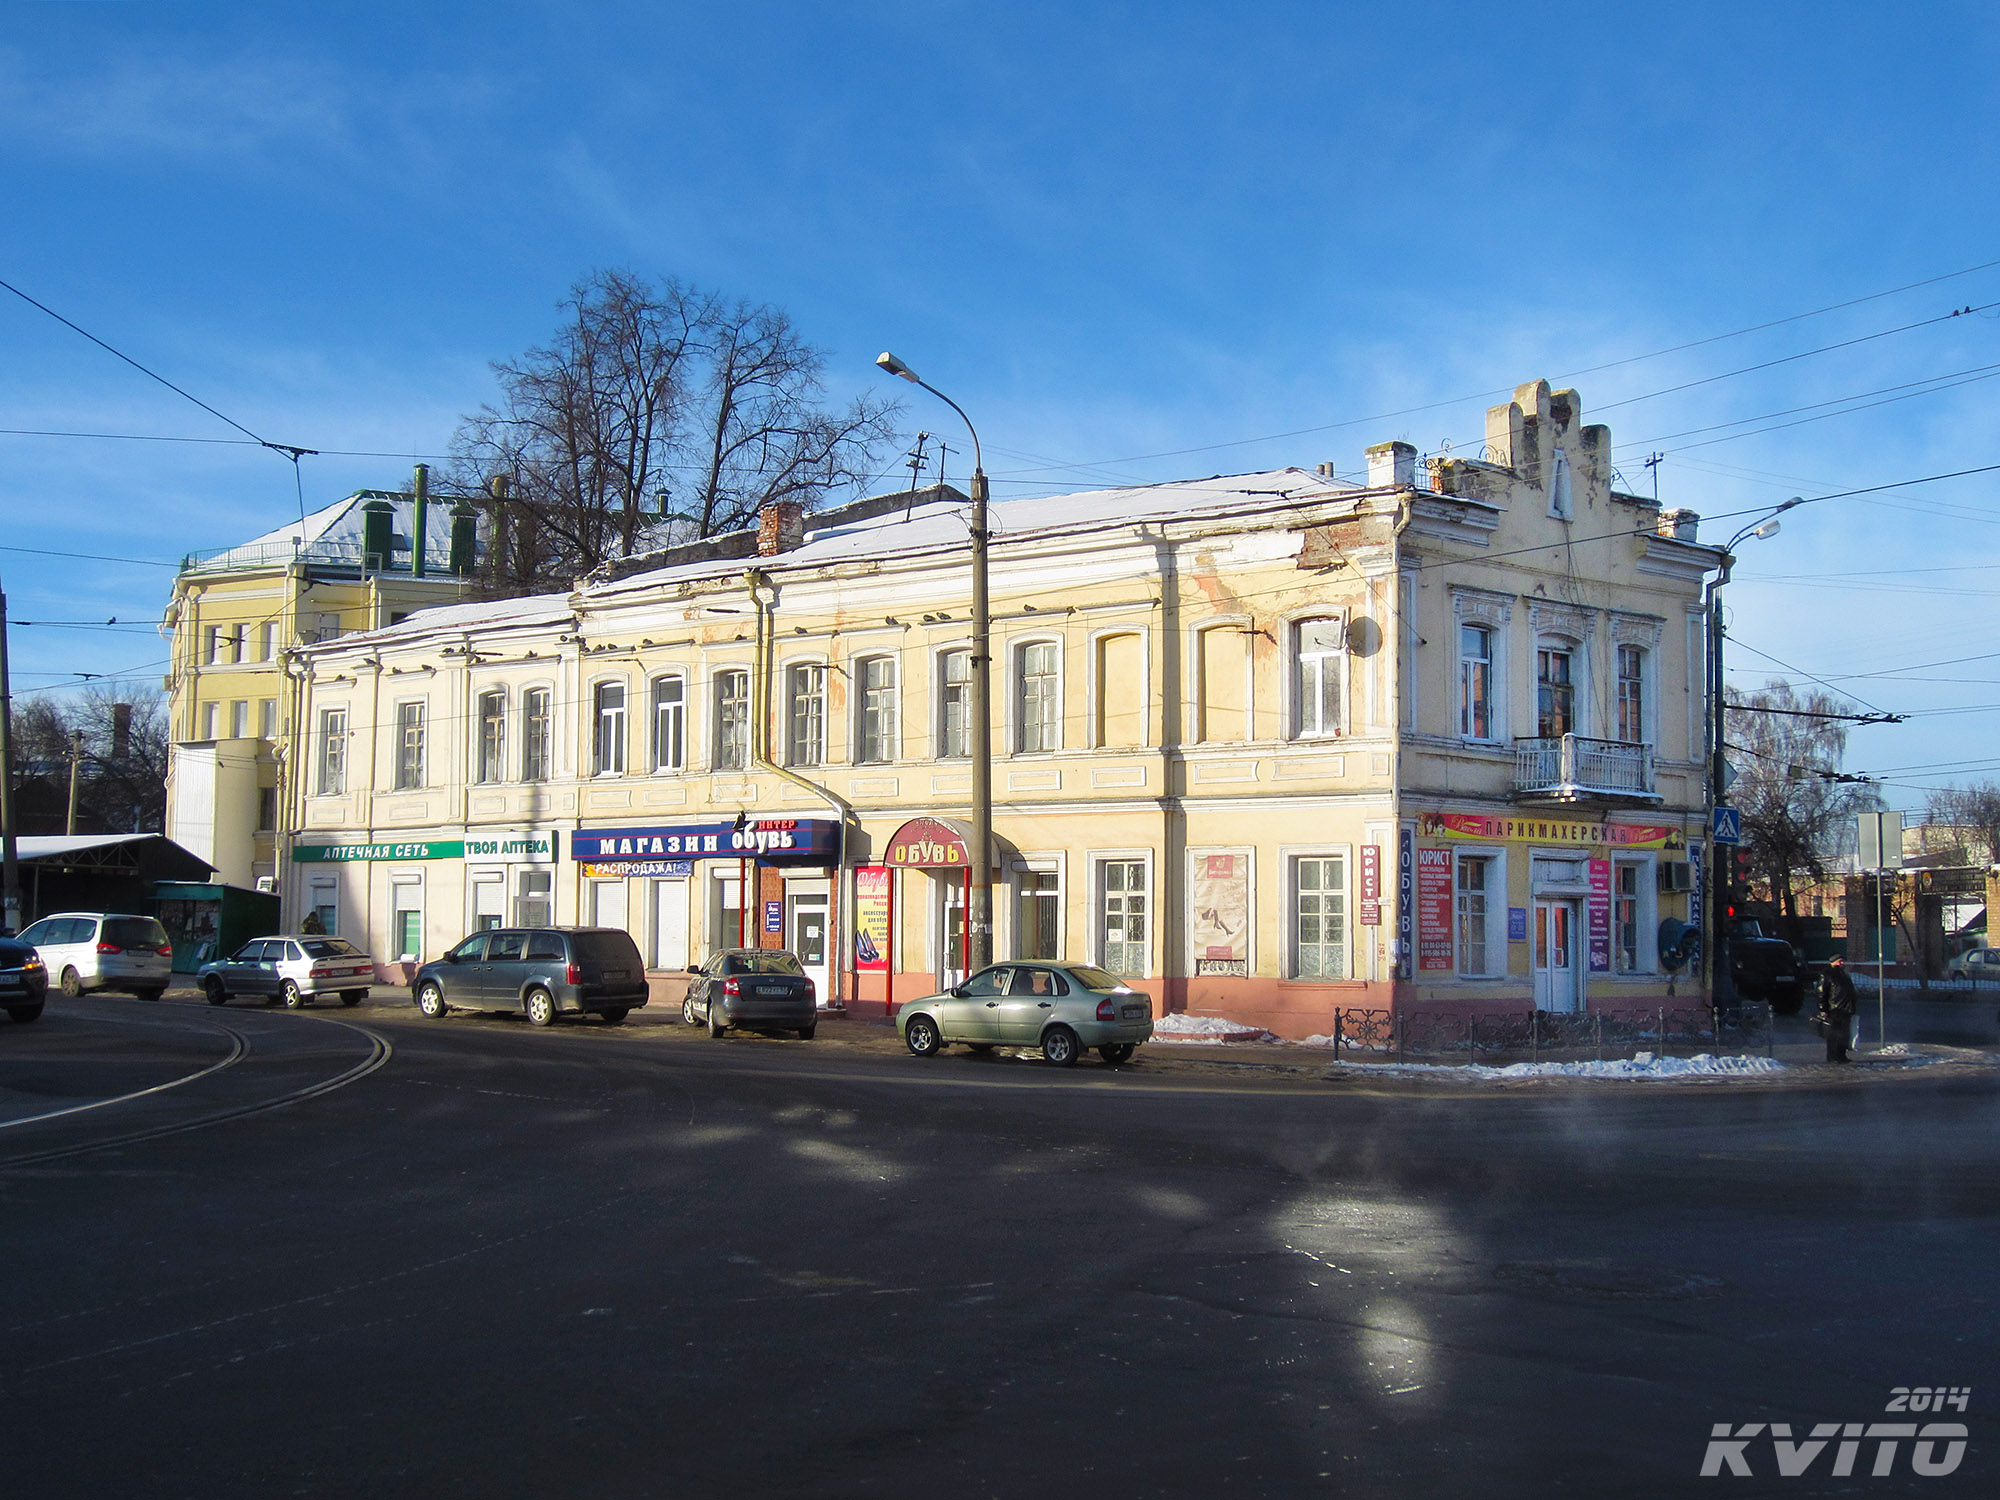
{"points": [[1727, 827]]}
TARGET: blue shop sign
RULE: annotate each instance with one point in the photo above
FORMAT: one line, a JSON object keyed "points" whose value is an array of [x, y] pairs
{"points": [[806, 841]]}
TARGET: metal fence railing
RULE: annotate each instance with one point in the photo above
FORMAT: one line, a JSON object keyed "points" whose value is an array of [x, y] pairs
{"points": [[1576, 763], [1544, 1036]]}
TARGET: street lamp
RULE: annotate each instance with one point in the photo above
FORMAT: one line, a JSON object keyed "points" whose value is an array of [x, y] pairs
{"points": [[1724, 871], [979, 948]]}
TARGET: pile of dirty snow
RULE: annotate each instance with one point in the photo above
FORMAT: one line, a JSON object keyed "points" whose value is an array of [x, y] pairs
{"points": [[1645, 1065], [1211, 1031]]}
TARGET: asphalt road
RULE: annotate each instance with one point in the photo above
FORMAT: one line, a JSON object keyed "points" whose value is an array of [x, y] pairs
{"points": [[490, 1261]]}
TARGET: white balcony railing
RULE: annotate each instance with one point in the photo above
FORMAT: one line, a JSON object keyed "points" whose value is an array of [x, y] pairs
{"points": [[1569, 767]]}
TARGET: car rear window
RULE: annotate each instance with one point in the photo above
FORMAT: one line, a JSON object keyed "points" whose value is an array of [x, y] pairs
{"points": [[331, 948], [1097, 979], [603, 947], [135, 932], [777, 961]]}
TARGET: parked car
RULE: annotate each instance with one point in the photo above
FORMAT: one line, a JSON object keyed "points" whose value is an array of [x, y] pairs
{"points": [[754, 989], [23, 979], [94, 950], [1061, 1008], [1766, 968], [292, 968], [542, 971], [1975, 963]]}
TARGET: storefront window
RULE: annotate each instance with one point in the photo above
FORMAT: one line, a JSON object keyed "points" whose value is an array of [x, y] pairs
{"points": [[1038, 919], [1122, 916], [1319, 917]]}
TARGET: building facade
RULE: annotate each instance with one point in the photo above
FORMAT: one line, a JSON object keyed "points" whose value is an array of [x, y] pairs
{"points": [[235, 618], [1275, 743]]}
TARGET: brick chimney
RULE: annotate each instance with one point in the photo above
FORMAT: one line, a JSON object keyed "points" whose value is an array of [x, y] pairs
{"points": [[781, 527], [1392, 464]]}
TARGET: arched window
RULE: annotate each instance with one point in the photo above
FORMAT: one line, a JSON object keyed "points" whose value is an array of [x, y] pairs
{"points": [[669, 722], [608, 741], [1038, 681], [1317, 649], [492, 736], [537, 734], [875, 709], [732, 720]]}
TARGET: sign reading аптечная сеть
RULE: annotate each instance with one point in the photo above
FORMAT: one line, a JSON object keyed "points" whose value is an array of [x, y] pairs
{"points": [[331, 854]]}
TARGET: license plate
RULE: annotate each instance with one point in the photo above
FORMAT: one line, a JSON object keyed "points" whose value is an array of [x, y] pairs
{"points": [[1134, 1012], [613, 974], [773, 989]]}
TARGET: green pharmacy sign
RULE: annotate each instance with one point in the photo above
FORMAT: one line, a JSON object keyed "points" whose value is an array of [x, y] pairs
{"points": [[339, 854]]}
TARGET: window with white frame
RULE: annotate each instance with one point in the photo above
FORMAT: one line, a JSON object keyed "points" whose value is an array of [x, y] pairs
{"points": [[537, 734], [1039, 696], [1632, 695], [732, 720], [1319, 916], [332, 779], [875, 740], [267, 640], [211, 650], [409, 746], [1317, 649], [1480, 896], [954, 704], [492, 736], [1632, 899], [267, 718], [1475, 682], [239, 719], [805, 714], [1038, 914], [1555, 691], [607, 745], [211, 721], [1123, 911], [669, 722]]}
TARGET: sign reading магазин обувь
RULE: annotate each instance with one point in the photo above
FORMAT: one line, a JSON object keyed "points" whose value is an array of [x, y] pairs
{"points": [[793, 840]]}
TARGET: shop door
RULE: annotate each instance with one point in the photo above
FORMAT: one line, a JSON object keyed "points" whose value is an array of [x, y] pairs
{"points": [[1557, 987], [951, 928], [670, 925], [805, 935]]}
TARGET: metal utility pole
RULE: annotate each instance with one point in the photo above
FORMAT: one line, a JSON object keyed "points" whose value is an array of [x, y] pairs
{"points": [[10, 866], [75, 768], [979, 950]]}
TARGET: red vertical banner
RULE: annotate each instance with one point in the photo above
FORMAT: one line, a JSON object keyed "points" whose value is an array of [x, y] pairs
{"points": [[1600, 916], [1371, 886], [1434, 909], [871, 918]]}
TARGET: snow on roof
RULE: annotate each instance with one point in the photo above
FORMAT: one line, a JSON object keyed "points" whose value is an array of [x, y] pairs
{"points": [[331, 536], [529, 609], [942, 524]]}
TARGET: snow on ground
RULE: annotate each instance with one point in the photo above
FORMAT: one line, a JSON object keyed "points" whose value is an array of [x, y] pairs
{"points": [[1645, 1065], [1211, 1031]]}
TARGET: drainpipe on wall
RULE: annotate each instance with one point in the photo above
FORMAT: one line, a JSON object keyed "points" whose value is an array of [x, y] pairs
{"points": [[842, 966]]}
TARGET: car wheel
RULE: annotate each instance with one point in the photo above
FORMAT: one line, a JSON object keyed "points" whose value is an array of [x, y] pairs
{"points": [[292, 995], [614, 1016], [72, 984], [353, 997], [26, 1013], [214, 990], [980, 1046], [541, 1008], [922, 1037], [149, 994], [1059, 1046], [716, 1024], [688, 1017], [1117, 1052], [430, 1000], [806, 1032]]}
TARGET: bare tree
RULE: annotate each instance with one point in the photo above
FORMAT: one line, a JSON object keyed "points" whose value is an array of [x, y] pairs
{"points": [[1968, 817], [122, 770], [1798, 811], [650, 399]]}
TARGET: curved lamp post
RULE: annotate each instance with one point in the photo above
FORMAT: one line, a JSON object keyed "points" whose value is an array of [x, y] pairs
{"points": [[979, 948], [1723, 875]]}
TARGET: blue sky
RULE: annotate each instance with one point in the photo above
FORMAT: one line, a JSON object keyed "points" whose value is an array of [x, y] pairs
{"points": [[1110, 232]]}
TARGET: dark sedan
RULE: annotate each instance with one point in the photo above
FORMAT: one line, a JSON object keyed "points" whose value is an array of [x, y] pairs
{"points": [[756, 989], [23, 980], [542, 972]]}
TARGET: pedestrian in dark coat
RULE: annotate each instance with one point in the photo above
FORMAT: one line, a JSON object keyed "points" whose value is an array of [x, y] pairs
{"points": [[1837, 1003]]}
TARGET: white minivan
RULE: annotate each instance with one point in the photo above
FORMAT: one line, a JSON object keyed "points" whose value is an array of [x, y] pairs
{"points": [[92, 950]]}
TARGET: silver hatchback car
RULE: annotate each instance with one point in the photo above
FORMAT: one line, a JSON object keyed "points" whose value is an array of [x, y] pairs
{"points": [[291, 969], [94, 950]]}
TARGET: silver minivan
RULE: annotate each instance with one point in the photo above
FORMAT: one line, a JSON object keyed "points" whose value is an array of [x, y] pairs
{"points": [[94, 950]]}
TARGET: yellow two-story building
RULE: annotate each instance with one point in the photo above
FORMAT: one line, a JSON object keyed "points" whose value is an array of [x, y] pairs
{"points": [[1274, 743]]}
